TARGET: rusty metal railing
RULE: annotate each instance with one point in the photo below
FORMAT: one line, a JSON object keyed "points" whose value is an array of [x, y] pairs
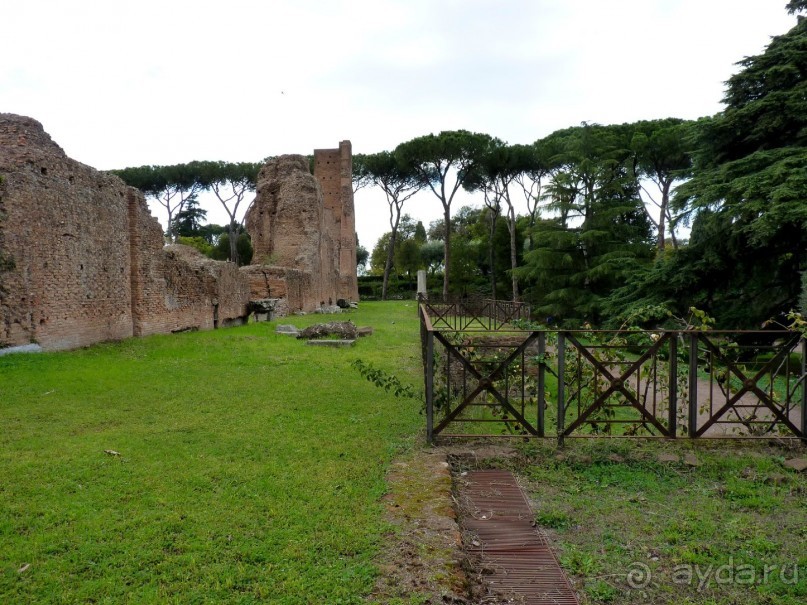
{"points": [[473, 313], [566, 384]]}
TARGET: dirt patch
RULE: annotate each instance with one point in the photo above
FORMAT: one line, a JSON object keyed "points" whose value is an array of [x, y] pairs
{"points": [[423, 558]]}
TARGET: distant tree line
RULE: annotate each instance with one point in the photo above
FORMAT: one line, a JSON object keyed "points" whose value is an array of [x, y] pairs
{"points": [[176, 189], [601, 240]]}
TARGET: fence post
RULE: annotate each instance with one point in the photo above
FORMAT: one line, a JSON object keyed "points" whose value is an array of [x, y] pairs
{"points": [[673, 389], [804, 389], [693, 384], [561, 386], [541, 382], [430, 387]]}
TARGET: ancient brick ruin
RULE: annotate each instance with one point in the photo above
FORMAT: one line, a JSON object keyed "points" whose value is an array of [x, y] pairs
{"points": [[82, 260], [333, 168], [302, 226]]}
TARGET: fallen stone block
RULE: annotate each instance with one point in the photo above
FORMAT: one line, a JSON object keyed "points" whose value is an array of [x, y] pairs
{"points": [[32, 348], [287, 329], [797, 464], [331, 343]]}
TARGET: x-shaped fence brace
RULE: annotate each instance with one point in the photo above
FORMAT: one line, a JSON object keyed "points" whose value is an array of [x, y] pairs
{"points": [[616, 384], [749, 385], [485, 383], [505, 312], [440, 314], [484, 314]]}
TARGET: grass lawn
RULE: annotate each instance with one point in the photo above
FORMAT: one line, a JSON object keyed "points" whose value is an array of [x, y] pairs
{"points": [[250, 465], [700, 533]]}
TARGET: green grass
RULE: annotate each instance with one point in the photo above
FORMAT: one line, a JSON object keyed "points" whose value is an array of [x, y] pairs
{"points": [[250, 466], [610, 506]]}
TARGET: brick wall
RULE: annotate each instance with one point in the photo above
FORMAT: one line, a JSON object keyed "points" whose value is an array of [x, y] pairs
{"points": [[292, 285], [63, 227], [82, 259]]}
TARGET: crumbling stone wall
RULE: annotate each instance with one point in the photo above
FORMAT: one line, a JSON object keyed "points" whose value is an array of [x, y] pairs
{"points": [[187, 291], [61, 229], [82, 259], [177, 288]]}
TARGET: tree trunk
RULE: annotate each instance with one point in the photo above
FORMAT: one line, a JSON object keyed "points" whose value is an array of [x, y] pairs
{"points": [[446, 249], [662, 217], [511, 226], [587, 218], [388, 264], [491, 255], [233, 244], [169, 232]]}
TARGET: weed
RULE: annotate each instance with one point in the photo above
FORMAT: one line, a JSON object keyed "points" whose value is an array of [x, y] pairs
{"points": [[385, 380], [553, 519]]}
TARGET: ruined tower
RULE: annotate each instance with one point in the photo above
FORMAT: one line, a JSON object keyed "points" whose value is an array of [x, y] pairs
{"points": [[333, 168]]}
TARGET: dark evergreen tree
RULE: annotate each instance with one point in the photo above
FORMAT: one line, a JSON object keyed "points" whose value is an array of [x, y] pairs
{"points": [[189, 222], [599, 231], [748, 194]]}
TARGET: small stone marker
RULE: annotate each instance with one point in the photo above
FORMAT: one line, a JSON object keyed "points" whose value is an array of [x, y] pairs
{"points": [[287, 329], [691, 460], [666, 457], [422, 286], [776, 479], [797, 464], [365, 331]]}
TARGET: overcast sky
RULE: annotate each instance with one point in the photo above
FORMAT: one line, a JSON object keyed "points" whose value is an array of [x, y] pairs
{"points": [[123, 83]]}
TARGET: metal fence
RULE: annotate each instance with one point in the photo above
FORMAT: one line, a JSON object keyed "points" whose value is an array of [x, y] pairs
{"points": [[473, 313], [484, 378]]}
